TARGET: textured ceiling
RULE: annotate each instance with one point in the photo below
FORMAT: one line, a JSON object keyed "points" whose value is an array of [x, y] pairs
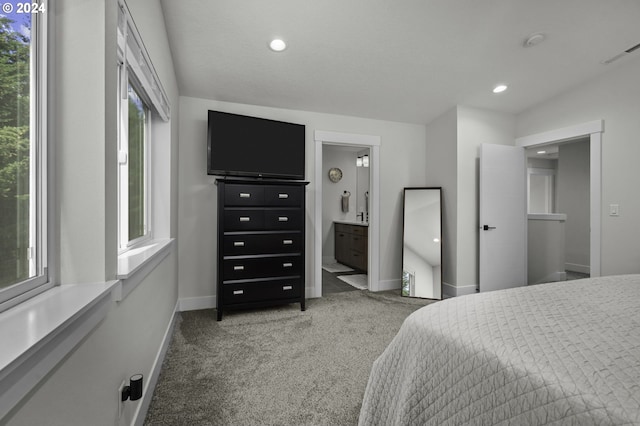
{"points": [[405, 60]]}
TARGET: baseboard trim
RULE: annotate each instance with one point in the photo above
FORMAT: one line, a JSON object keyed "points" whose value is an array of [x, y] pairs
{"points": [[197, 303], [575, 267], [389, 285], [328, 259], [450, 290], [553, 277], [150, 383]]}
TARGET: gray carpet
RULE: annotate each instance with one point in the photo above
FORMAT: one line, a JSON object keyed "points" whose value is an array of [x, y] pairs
{"points": [[277, 366]]}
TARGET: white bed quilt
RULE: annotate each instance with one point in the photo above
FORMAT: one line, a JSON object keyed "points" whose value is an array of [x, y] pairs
{"points": [[561, 353]]}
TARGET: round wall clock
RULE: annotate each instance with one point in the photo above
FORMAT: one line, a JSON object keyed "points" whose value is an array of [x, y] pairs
{"points": [[335, 174]]}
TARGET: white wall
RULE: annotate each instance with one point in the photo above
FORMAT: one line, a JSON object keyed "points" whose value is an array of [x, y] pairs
{"points": [[402, 153], [453, 141], [80, 139], [441, 169], [573, 200], [475, 126], [615, 98], [82, 389]]}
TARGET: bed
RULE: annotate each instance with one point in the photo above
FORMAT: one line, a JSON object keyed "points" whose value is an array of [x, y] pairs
{"points": [[557, 353]]}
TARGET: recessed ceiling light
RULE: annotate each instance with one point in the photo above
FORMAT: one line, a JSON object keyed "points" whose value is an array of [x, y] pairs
{"points": [[499, 88], [277, 45], [542, 152]]}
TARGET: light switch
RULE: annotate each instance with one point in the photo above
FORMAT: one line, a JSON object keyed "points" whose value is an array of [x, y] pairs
{"points": [[614, 210]]}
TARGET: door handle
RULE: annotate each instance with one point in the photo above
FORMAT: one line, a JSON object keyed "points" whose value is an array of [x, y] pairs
{"points": [[487, 227]]}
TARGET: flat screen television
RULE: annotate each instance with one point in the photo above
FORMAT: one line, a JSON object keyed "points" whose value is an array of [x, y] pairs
{"points": [[240, 145]]}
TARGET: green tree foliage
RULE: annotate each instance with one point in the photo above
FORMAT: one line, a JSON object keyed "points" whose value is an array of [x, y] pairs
{"points": [[14, 76], [137, 114], [14, 154]]}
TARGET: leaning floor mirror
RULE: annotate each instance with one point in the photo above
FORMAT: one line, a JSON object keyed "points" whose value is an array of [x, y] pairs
{"points": [[422, 243]]}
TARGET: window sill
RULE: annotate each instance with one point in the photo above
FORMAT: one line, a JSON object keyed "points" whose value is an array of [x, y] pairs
{"points": [[38, 333], [135, 264]]}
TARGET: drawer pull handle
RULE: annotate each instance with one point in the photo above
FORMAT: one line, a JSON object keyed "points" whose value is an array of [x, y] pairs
{"points": [[238, 268], [287, 265], [245, 195], [283, 219], [287, 287], [238, 291], [283, 195], [238, 243], [287, 242], [245, 219]]}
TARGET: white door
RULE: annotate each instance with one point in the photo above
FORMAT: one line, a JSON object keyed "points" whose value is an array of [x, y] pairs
{"points": [[503, 217]]}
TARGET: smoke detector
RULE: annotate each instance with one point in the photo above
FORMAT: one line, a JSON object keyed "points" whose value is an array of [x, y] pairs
{"points": [[533, 40]]}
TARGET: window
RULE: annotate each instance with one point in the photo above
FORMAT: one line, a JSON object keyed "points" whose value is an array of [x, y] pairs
{"points": [[134, 170], [142, 104], [23, 153], [138, 113]]}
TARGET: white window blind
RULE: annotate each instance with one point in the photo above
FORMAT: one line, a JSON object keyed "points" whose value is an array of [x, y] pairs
{"points": [[137, 65]]}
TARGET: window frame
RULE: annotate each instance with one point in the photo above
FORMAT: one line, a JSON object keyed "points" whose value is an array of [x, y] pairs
{"points": [[41, 173], [135, 68]]}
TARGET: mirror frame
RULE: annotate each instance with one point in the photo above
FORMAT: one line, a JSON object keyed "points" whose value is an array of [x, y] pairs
{"points": [[404, 220]]}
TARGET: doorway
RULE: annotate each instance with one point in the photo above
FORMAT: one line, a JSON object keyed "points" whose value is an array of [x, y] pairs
{"points": [[357, 143], [558, 181], [494, 246], [591, 134], [345, 218]]}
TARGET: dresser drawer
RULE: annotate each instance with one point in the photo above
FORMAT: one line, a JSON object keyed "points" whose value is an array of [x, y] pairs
{"points": [[261, 290], [244, 195], [281, 242], [261, 267], [283, 195], [243, 219], [282, 219]]}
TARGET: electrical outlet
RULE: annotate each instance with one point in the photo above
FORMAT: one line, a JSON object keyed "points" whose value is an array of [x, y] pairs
{"points": [[120, 401], [614, 210]]}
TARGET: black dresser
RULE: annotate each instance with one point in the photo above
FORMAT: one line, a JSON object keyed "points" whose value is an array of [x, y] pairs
{"points": [[260, 243]]}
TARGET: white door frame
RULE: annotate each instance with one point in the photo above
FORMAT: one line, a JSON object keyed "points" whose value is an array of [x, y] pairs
{"points": [[594, 130], [365, 141]]}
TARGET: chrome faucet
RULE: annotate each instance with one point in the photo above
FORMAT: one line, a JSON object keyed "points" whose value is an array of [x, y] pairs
{"points": [[361, 216]]}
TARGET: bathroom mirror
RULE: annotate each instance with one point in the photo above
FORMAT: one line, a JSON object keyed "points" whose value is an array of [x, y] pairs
{"points": [[422, 243], [362, 185]]}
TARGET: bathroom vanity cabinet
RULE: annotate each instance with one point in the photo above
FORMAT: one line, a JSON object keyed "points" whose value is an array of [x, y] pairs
{"points": [[351, 245]]}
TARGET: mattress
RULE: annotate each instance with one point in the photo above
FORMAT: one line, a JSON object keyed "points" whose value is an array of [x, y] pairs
{"points": [[557, 353]]}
